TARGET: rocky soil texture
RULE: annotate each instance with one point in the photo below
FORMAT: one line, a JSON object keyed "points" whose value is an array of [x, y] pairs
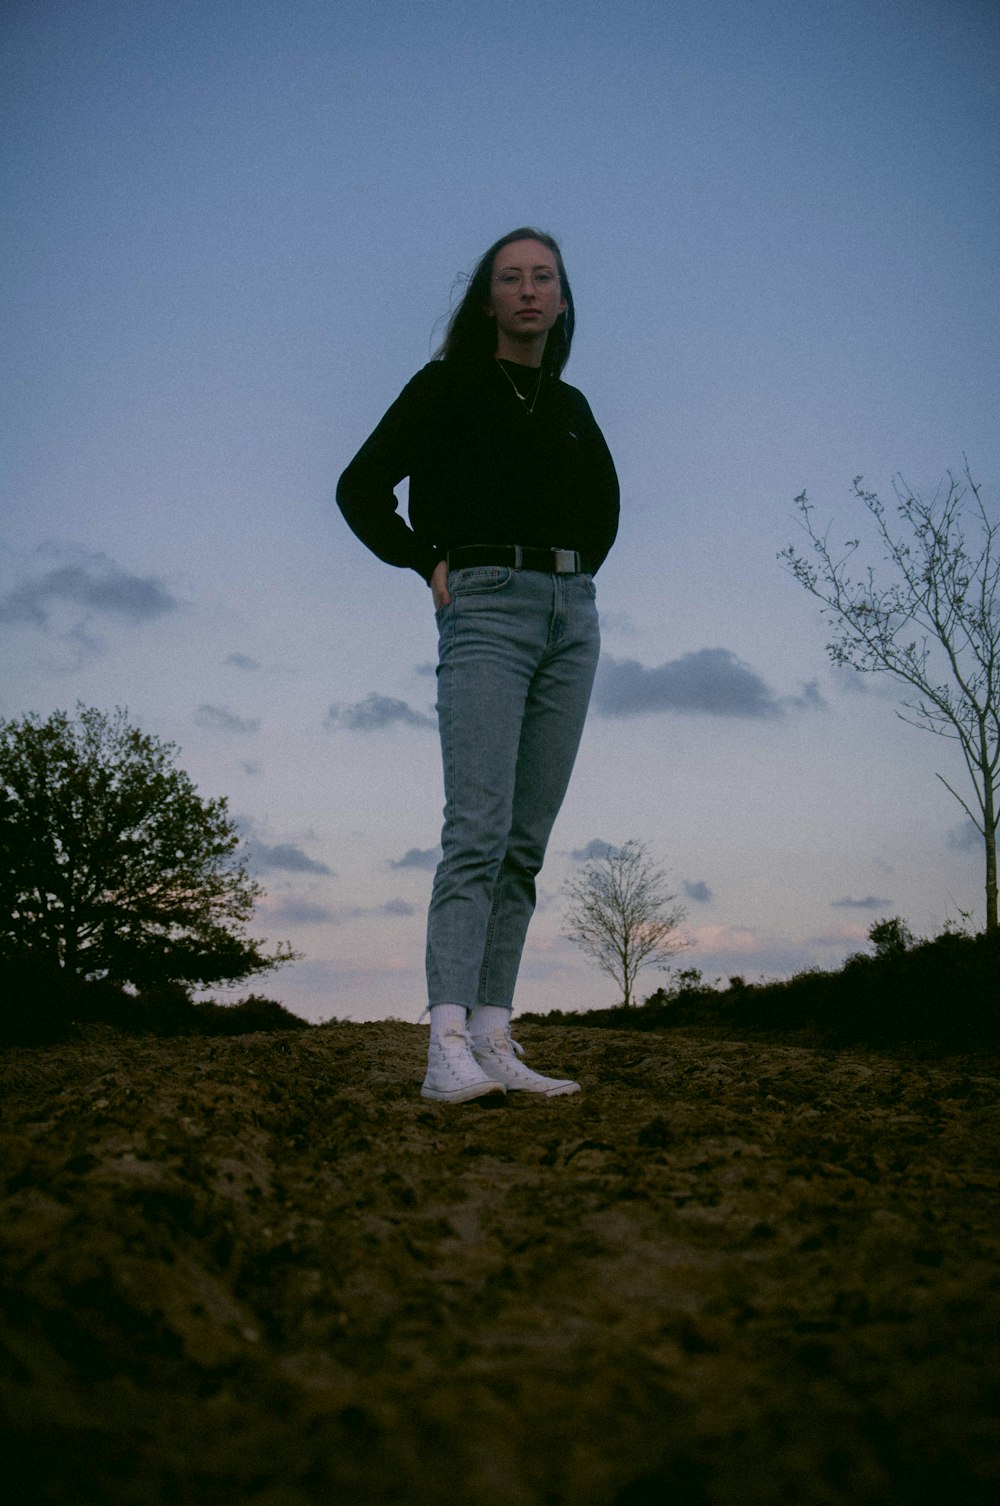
{"points": [[262, 1270]]}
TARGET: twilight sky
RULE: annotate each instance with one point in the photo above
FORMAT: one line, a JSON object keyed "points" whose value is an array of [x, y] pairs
{"points": [[231, 232]]}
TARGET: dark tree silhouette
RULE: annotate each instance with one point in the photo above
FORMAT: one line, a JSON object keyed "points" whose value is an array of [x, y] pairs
{"points": [[111, 864], [891, 937]]}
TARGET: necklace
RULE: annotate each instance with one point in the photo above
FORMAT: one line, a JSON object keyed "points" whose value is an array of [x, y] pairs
{"points": [[529, 408]]}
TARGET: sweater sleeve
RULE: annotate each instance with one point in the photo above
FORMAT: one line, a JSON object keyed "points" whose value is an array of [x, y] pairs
{"points": [[366, 490], [604, 491]]}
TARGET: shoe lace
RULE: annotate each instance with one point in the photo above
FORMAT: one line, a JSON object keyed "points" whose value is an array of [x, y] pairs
{"points": [[501, 1040], [453, 1036]]}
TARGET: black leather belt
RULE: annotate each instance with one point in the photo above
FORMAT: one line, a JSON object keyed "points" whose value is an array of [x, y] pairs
{"points": [[515, 557]]}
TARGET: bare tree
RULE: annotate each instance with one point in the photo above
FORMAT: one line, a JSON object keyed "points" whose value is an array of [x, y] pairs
{"points": [[933, 624], [621, 914]]}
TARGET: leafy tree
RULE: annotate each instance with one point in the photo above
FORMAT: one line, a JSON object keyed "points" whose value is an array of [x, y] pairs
{"points": [[933, 625], [891, 937], [621, 914], [111, 864]]}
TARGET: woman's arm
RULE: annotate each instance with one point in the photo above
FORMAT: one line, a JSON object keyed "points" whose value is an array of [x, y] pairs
{"points": [[366, 490], [602, 489], [439, 585]]}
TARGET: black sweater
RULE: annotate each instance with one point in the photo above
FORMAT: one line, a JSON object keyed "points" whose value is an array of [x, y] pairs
{"points": [[482, 469]]}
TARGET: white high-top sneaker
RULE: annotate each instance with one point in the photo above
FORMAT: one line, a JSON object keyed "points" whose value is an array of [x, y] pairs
{"points": [[453, 1074], [498, 1056]]}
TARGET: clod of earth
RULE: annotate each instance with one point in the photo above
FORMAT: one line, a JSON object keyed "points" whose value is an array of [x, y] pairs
{"points": [[262, 1269]]}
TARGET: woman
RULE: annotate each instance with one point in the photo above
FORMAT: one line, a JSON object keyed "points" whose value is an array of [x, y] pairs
{"points": [[513, 506]]}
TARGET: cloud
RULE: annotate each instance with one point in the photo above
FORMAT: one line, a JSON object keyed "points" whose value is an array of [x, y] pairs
{"points": [[966, 837], [242, 661], [595, 848], [861, 682], [221, 719], [418, 857], [698, 890], [89, 581], [374, 713], [303, 912], [730, 950], [427, 670], [852, 934], [711, 681], [870, 902], [808, 699], [731, 940], [284, 856], [618, 622]]}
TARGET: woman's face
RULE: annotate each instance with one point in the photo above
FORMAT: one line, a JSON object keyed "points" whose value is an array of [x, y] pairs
{"points": [[526, 297]]}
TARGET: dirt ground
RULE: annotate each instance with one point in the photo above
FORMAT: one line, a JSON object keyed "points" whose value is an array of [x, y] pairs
{"points": [[262, 1270]]}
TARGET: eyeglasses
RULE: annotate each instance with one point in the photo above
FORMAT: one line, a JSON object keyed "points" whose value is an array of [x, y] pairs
{"points": [[512, 280]]}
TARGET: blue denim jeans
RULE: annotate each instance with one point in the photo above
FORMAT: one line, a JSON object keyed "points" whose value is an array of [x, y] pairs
{"points": [[518, 651]]}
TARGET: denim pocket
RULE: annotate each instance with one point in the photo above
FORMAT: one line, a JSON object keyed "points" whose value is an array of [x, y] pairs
{"points": [[476, 580]]}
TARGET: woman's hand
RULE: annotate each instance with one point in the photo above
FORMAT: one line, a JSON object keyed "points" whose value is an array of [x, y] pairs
{"points": [[439, 585]]}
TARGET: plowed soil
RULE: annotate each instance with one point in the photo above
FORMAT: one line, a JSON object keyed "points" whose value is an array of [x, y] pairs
{"points": [[262, 1270]]}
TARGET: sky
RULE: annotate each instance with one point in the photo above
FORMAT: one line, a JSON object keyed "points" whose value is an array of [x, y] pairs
{"points": [[232, 231]]}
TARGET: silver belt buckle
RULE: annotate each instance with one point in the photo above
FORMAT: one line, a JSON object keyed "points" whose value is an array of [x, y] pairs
{"points": [[567, 562]]}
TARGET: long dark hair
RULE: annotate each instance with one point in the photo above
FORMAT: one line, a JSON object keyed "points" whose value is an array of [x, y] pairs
{"points": [[471, 334]]}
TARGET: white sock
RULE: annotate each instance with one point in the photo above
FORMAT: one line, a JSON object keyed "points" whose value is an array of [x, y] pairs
{"points": [[486, 1018], [444, 1016]]}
